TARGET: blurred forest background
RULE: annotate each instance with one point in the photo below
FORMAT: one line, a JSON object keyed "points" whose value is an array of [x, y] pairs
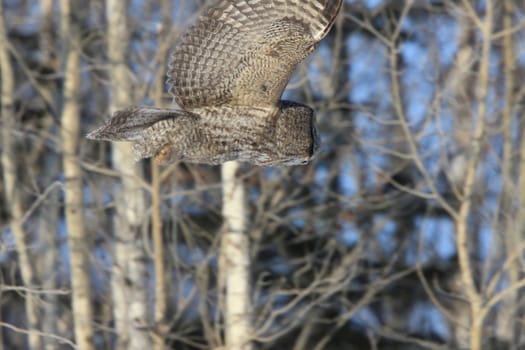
{"points": [[406, 232]]}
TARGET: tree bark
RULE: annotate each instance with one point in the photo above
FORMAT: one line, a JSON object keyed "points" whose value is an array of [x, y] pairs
{"points": [[234, 262], [508, 224], [462, 221], [51, 217], [74, 198], [49, 224], [11, 185], [159, 257], [130, 270]]}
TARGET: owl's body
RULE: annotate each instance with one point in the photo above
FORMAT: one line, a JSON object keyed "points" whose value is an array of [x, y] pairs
{"points": [[227, 76]]}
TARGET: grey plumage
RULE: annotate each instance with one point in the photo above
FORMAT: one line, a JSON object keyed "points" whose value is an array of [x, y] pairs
{"points": [[227, 76]]}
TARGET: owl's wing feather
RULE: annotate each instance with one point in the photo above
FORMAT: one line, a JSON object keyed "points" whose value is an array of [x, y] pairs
{"points": [[129, 124], [242, 52]]}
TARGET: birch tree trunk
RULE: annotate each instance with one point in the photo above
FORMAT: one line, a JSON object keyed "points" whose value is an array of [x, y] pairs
{"points": [[159, 258], [74, 198], [129, 274], [475, 297], [234, 262], [12, 196]]}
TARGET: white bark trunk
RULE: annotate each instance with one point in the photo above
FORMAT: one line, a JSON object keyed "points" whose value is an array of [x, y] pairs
{"points": [[129, 277], [74, 198], [12, 196], [234, 268]]}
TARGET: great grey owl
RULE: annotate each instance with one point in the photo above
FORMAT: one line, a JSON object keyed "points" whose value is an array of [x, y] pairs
{"points": [[227, 76]]}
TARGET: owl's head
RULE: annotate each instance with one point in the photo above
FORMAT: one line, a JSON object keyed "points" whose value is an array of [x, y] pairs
{"points": [[297, 137]]}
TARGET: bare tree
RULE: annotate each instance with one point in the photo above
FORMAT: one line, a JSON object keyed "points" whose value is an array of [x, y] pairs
{"points": [[234, 262], [51, 218], [74, 198], [467, 195], [10, 164], [161, 290], [130, 269]]}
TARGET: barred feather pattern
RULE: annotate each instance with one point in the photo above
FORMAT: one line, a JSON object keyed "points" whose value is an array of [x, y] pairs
{"points": [[243, 52], [227, 76]]}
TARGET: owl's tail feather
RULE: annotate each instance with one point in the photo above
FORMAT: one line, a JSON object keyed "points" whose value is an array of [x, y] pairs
{"points": [[129, 124]]}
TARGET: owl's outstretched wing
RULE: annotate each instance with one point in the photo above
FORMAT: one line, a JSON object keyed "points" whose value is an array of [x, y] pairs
{"points": [[242, 52]]}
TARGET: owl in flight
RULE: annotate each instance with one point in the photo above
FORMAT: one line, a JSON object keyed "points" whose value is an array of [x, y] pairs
{"points": [[227, 76]]}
